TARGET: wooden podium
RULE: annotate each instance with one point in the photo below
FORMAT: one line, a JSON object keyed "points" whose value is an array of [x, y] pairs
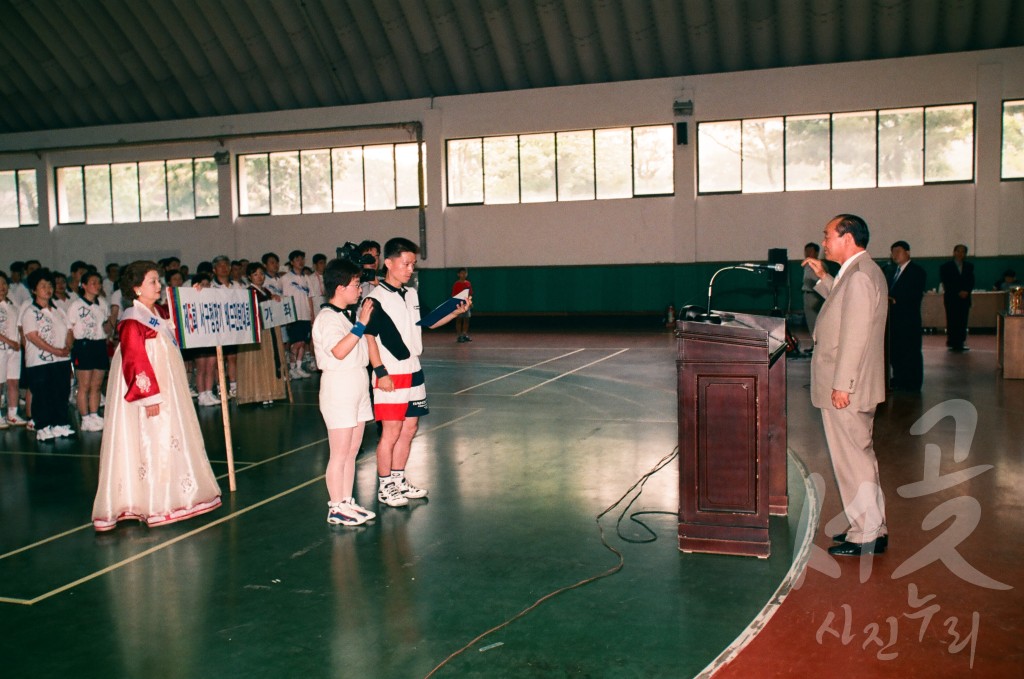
{"points": [[732, 433]]}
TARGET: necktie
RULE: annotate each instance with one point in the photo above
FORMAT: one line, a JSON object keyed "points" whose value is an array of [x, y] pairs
{"points": [[896, 277]]}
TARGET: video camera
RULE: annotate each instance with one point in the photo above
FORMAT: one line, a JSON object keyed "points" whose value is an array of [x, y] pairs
{"points": [[350, 252]]}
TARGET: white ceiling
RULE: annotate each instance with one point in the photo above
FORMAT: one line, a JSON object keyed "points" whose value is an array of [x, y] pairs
{"points": [[73, 63]]}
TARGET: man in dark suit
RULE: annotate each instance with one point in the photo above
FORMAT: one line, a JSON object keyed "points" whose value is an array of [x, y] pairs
{"points": [[957, 276], [848, 378], [906, 289]]}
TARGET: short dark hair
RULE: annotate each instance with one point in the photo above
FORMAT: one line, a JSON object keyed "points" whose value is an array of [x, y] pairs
{"points": [[78, 265], [855, 226], [254, 267], [204, 267], [319, 257], [40, 274], [338, 272], [89, 275], [295, 253], [814, 246], [17, 267], [112, 265], [368, 245], [267, 256], [397, 246], [133, 275], [960, 245], [901, 244]]}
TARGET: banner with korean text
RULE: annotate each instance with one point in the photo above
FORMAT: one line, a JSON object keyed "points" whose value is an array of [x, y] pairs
{"points": [[214, 316], [274, 313]]}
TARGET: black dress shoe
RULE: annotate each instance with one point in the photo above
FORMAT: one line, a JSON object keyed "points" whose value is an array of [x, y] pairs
{"points": [[856, 548], [881, 542]]}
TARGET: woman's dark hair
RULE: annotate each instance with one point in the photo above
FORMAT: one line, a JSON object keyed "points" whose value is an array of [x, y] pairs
{"points": [[89, 275], [339, 272], [254, 267], [41, 274], [132, 277]]}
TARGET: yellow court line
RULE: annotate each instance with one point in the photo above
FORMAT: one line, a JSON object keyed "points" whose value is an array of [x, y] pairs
{"points": [[570, 372], [156, 548], [514, 372]]}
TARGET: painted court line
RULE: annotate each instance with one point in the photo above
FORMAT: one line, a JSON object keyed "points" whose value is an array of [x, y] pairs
{"points": [[515, 372], [183, 536], [34, 453], [570, 372]]}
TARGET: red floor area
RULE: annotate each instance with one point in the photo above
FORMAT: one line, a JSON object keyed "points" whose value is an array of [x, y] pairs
{"points": [[946, 599]]}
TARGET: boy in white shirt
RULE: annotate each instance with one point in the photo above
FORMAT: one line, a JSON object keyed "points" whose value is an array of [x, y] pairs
{"points": [[295, 284]]}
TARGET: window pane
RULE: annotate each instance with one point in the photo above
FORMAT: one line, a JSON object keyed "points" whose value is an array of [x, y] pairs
{"points": [[614, 160], [347, 173], [807, 153], [718, 157], [575, 165], [207, 189], [70, 195], [181, 201], [949, 143], [763, 156], [853, 150], [284, 183], [316, 181], [465, 171], [124, 179], [254, 184], [901, 147], [1013, 140], [379, 164], [652, 161], [8, 200], [537, 167], [501, 170], [97, 194], [407, 182], [153, 191], [28, 197]]}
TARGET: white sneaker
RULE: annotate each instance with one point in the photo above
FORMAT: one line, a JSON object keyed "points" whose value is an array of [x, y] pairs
{"points": [[233, 391], [391, 496], [411, 491], [62, 430], [207, 398], [301, 373], [351, 506], [342, 514], [192, 392], [86, 424], [16, 421], [45, 434]]}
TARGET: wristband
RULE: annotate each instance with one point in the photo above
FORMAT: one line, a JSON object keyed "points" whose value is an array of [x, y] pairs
{"points": [[358, 329], [380, 371]]}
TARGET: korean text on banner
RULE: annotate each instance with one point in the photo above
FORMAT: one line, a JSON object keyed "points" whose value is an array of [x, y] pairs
{"points": [[214, 316], [274, 313]]}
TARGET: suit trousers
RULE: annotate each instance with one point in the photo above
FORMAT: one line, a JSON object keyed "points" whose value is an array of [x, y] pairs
{"points": [[848, 432], [957, 313]]}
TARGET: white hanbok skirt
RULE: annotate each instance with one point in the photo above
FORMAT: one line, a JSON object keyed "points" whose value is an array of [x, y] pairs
{"points": [[153, 469]]}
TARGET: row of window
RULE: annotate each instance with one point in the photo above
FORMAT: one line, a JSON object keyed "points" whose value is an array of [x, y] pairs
{"points": [[561, 166], [348, 179], [862, 149]]}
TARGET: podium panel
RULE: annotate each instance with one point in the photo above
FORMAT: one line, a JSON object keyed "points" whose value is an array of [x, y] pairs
{"points": [[731, 402]]}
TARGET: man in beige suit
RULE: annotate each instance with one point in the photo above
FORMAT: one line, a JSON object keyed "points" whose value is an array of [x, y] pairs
{"points": [[848, 378]]}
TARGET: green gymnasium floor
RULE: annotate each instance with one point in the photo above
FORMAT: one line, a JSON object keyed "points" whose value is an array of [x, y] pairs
{"points": [[530, 437]]}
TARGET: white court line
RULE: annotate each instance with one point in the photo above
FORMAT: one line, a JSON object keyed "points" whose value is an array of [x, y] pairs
{"points": [[89, 525], [558, 377], [156, 548], [501, 377]]}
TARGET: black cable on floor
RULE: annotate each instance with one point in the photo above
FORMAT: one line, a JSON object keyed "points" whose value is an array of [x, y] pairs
{"points": [[638, 486]]}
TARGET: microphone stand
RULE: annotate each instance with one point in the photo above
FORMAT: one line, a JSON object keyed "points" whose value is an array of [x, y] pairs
{"points": [[715, 318]]}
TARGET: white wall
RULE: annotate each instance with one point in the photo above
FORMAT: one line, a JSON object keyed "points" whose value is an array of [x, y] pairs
{"points": [[986, 214]]}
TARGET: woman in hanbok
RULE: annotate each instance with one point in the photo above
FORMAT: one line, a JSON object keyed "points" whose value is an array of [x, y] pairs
{"points": [[153, 464], [263, 367]]}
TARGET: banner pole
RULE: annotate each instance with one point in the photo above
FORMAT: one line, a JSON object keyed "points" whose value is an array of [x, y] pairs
{"points": [[225, 417]]}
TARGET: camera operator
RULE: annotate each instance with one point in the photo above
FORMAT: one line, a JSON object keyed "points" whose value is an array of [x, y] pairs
{"points": [[369, 259]]}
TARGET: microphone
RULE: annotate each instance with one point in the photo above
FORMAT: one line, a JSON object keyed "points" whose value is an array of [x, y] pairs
{"points": [[764, 267]]}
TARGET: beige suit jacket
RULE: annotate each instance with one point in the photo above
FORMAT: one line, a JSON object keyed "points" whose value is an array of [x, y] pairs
{"points": [[849, 337]]}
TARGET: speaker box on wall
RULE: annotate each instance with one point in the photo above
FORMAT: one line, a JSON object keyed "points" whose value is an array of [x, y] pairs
{"points": [[777, 279], [682, 135]]}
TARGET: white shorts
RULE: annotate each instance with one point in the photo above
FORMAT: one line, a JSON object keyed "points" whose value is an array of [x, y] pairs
{"points": [[10, 365], [345, 397]]}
